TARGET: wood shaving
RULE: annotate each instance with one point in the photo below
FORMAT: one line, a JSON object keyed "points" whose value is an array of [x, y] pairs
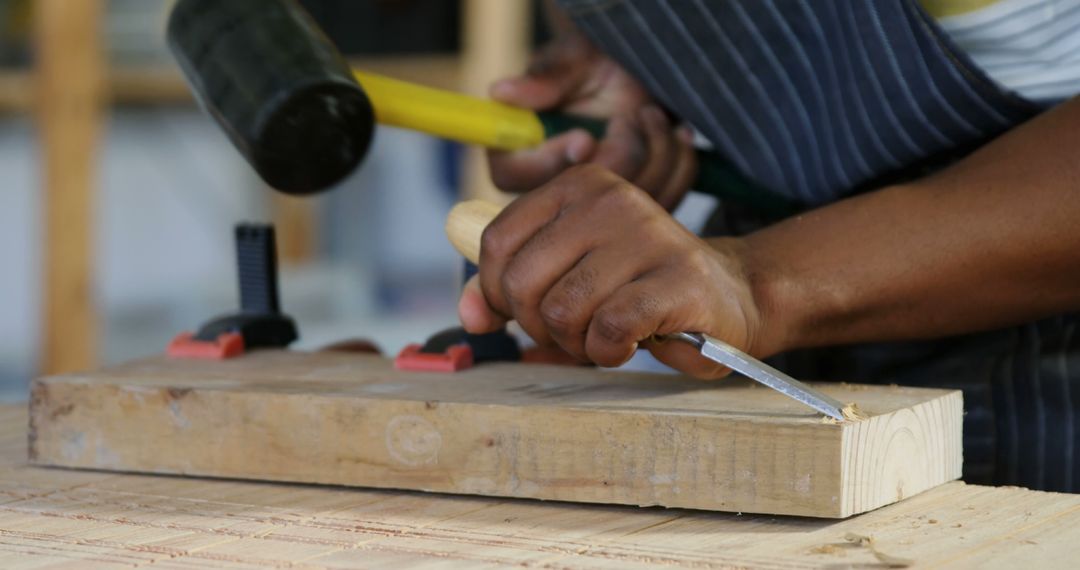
{"points": [[851, 413], [886, 559], [859, 539]]}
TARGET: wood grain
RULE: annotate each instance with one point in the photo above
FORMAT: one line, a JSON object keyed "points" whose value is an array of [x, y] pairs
{"points": [[465, 225], [296, 222], [516, 430], [70, 71], [163, 84], [64, 518], [496, 37]]}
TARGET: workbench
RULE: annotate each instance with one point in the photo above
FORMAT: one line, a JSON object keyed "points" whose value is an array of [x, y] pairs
{"points": [[58, 517]]}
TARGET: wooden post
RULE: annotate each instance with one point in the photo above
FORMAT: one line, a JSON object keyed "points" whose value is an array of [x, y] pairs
{"points": [[295, 221], [70, 70], [495, 44]]}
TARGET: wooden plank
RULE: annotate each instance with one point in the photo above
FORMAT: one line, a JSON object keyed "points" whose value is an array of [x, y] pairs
{"points": [[16, 91], [70, 69], [295, 223], [153, 84], [547, 432], [162, 83], [70, 517], [433, 70], [496, 40]]}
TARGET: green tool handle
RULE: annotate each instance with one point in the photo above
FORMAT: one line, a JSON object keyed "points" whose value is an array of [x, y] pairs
{"points": [[716, 176]]}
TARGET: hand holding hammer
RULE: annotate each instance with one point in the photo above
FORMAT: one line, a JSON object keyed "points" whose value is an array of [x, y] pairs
{"points": [[304, 120]]}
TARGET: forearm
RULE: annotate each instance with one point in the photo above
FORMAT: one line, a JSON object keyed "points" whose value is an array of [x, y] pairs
{"points": [[989, 242]]}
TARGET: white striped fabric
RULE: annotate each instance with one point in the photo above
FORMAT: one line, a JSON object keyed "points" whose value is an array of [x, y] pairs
{"points": [[1029, 46]]}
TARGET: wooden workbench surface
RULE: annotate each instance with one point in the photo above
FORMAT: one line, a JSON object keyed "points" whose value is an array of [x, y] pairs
{"points": [[54, 517]]}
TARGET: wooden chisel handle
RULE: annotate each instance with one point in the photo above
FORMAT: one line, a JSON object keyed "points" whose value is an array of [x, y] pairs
{"points": [[465, 225]]}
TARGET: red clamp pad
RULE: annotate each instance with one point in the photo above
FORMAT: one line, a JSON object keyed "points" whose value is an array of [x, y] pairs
{"points": [[457, 357], [226, 345]]}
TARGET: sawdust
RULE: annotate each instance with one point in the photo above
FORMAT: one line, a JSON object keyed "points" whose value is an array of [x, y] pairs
{"points": [[851, 413], [855, 387], [886, 559]]}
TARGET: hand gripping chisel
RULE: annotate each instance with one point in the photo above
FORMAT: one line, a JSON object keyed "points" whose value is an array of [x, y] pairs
{"points": [[465, 225]]}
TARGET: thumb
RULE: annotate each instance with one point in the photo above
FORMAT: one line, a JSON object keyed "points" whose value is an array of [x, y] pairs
{"points": [[555, 74], [477, 317], [524, 170], [536, 92]]}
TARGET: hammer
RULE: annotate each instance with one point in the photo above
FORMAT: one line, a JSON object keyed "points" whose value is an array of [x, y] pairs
{"points": [[304, 120]]}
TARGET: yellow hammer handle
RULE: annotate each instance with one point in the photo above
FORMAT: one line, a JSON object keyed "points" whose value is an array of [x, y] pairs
{"points": [[465, 226], [450, 115]]}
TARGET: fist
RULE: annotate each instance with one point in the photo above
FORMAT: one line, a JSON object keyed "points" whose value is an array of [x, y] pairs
{"points": [[641, 144], [591, 263]]}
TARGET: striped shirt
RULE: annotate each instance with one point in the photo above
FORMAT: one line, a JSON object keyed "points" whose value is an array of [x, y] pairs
{"points": [[1029, 46]]}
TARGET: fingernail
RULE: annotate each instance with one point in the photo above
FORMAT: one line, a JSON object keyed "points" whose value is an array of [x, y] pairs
{"points": [[473, 319], [472, 308], [502, 88], [578, 149]]}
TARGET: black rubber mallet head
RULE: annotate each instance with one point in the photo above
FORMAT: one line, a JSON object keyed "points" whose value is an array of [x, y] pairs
{"points": [[277, 86]]}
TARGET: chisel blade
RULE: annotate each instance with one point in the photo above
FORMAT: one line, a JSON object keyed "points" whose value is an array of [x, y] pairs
{"points": [[737, 360]]}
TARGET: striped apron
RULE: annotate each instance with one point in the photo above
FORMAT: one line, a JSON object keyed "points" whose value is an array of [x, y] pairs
{"points": [[816, 100]]}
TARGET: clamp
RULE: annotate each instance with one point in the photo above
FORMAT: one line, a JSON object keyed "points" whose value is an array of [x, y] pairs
{"points": [[454, 349], [260, 322]]}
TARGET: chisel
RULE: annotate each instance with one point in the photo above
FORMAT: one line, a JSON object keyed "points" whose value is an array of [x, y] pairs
{"points": [[465, 225]]}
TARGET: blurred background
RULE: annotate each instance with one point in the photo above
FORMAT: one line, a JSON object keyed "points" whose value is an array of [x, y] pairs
{"points": [[118, 196], [113, 182]]}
